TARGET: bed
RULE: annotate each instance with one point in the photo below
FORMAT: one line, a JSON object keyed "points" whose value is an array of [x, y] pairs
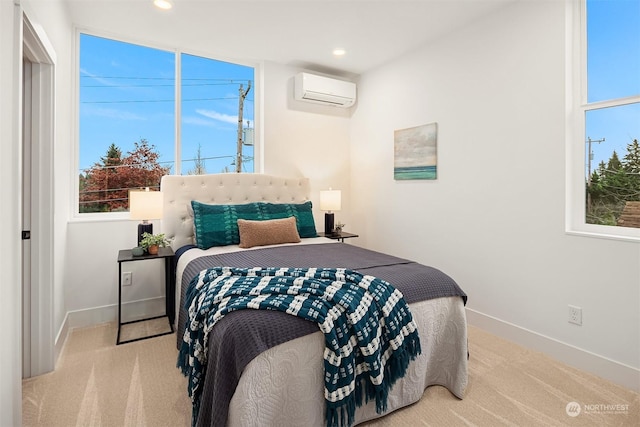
{"points": [[282, 384]]}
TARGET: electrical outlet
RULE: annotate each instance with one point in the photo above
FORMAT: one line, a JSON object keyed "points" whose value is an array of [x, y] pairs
{"points": [[126, 278], [575, 315]]}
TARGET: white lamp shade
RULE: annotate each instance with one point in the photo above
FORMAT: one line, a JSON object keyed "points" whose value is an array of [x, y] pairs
{"points": [[330, 200], [145, 205]]}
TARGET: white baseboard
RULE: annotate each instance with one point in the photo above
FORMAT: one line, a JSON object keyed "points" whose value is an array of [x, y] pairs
{"points": [[616, 372], [61, 338], [108, 313]]}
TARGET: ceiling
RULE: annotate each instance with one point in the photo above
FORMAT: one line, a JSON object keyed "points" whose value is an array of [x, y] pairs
{"points": [[294, 32]]}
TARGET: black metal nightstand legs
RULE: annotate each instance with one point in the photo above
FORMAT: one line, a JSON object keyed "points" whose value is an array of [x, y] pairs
{"points": [[169, 280]]}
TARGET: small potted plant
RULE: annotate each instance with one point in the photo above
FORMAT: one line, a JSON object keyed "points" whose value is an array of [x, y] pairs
{"points": [[339, 227], [151, 242]]}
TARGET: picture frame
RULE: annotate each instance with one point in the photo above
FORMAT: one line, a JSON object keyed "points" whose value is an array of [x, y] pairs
{"points": [[415, 153]]}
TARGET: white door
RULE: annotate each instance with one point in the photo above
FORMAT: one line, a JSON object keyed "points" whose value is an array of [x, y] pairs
{"points": [[37, 194], [26, 217]]}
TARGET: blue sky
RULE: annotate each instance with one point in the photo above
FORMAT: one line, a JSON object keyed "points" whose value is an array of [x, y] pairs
{"points": [[613, 64], [127, 93]]}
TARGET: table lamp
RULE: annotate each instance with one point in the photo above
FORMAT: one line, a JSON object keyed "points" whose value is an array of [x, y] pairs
{"points": [[145, 205], [330, 200]]}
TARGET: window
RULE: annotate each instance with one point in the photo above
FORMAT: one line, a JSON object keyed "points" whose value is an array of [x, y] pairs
{"points": [[608, 121], [145, 113], [213, 93]]}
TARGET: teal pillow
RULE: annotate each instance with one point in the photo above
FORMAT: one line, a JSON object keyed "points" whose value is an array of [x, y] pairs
{"points": [[302, 211], [217, 225]]}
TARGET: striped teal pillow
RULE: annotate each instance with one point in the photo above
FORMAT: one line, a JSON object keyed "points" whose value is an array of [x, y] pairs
{"points": [[217, 225], [302, 211]]}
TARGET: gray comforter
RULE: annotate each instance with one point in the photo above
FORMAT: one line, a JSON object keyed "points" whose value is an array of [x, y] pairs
{"points": [[242, 335]]}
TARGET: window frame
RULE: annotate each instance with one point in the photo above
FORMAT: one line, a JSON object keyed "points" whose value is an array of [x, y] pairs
{"points": [[258, 161], [577, 108]]}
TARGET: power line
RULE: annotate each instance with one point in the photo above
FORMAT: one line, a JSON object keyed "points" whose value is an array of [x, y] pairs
{"points": [[169, 163], [156, 100], [158, 85], [107, 190], [230, 81]]}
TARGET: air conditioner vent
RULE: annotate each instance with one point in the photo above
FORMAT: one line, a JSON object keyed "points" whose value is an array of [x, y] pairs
{"points": [[324, 90]]}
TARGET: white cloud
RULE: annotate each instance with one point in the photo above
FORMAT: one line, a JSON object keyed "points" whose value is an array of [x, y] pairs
{"points": [[226, 118], [111, 113], [198, 121]]}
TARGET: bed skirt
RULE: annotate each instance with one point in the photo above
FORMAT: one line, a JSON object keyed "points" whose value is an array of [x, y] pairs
{"points": [[283, 385]]}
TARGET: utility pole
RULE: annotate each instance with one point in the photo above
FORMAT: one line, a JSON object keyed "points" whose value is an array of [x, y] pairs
{"points": [[241, 98], [590, 154]]}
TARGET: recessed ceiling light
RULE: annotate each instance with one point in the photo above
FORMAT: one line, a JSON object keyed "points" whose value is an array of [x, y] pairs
{"points": [[339, 52], [163, 4]]}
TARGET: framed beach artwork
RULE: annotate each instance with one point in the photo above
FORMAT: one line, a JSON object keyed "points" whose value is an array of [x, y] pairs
{"points": [[415, 152]]}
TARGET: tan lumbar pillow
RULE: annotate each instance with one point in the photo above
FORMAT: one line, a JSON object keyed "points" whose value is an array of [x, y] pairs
{"points": [[269, 232]]}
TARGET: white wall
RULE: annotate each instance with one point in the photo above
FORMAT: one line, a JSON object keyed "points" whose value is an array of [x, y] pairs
{"points": [[494, 218], [52, 18], [91, 290], [10, 222], [303, 139]]}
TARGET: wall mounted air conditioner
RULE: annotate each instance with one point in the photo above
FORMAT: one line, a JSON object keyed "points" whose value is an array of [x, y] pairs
{"points": [[324, 90]]}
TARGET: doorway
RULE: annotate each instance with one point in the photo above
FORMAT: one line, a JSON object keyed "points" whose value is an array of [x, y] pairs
{"points": [[37, 195]]}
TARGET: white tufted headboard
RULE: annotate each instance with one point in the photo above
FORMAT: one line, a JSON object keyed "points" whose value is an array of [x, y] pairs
{"points": [[225, 188]]}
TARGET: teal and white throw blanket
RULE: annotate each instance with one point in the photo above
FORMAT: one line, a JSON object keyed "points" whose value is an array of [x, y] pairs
{"points": [[370, 335]]}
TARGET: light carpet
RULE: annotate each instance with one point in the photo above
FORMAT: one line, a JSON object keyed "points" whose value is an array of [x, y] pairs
{"points": [[97, 383]]}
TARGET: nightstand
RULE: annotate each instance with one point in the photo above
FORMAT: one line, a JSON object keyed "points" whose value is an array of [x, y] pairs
{"points": [[167, 254], [338, 236]]}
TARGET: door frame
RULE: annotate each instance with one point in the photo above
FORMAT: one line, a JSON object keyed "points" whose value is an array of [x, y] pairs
{"points": [[39, 329]]}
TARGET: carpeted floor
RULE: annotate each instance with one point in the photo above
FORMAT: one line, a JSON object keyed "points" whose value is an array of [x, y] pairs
{"points": [[97, 383]]}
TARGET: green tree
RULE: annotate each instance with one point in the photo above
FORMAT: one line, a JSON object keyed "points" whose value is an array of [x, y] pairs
{"points": [[631, 166], [106, 185], [113, 158], [614, 181], [595, 186], [614, 164], [631, 160], [613, 184]]}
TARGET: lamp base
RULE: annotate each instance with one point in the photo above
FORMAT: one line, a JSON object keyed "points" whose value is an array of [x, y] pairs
{"points": [[328, 223], [144, 228]]}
